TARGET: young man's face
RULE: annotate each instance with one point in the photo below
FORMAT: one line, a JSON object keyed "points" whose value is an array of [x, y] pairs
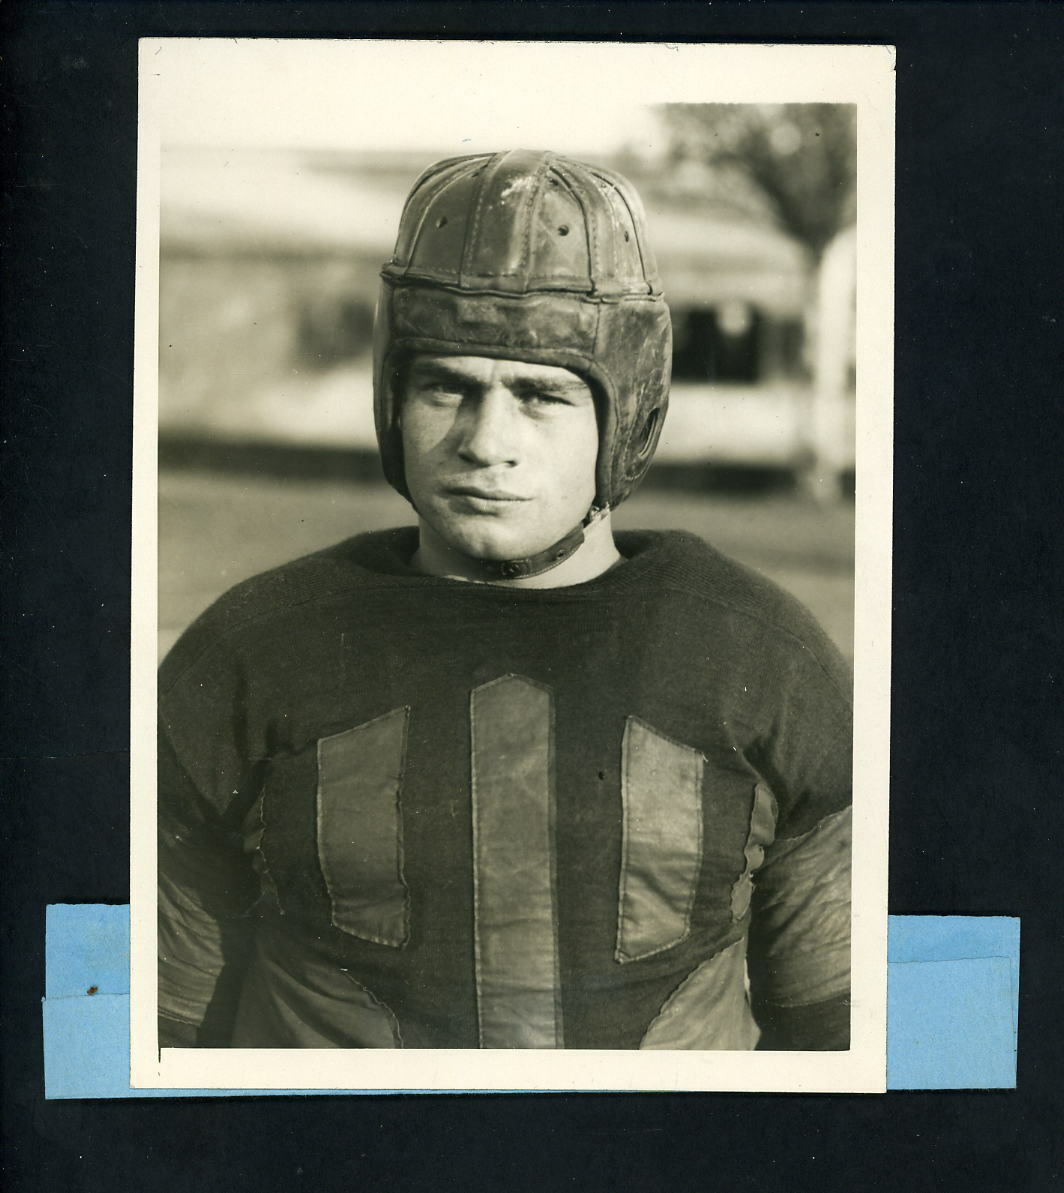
{"points": [[500, 455]]}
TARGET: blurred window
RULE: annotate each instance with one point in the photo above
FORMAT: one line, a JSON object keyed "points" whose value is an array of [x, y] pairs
{"points": [[718, 344]]}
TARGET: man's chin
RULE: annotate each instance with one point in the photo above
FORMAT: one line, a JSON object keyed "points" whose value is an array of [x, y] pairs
{"points": [[493, 551], [494, 548], [491, 538]]}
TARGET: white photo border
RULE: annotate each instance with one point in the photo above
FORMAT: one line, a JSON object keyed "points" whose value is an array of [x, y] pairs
{"points": [[562, 73]]}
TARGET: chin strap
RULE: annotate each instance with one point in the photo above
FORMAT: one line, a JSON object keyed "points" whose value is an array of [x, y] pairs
{"points": [[543, 561]]}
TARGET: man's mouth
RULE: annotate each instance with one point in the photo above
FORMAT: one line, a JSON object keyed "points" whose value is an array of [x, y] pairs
{"points": [[481, 493]]}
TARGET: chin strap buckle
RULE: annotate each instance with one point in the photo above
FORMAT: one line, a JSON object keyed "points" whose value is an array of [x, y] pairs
{"points": [[543, 561]]}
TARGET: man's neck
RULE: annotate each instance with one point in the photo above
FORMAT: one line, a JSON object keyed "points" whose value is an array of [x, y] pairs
{"points": [[595, 555]]}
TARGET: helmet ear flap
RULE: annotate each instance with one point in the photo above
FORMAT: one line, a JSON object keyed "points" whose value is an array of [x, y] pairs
{"points": [[388, 386]]}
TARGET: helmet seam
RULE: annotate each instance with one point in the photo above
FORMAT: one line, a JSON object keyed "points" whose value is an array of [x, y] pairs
{"points": [[526, 247], [473, 227], [437, 282], [638, 246], [442, 186], [432, 181], [579, 192]]}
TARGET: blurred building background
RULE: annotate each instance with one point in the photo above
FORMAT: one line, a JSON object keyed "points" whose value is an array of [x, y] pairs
{"points": [[269, 267]]}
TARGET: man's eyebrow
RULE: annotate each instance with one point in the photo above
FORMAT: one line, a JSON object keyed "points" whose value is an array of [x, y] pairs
{"points": [[439, 370], [570, 386], [434, 370]]}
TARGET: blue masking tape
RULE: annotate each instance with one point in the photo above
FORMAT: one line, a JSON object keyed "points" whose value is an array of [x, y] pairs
{"points": [[952, 999], [949, 1025], [86, 945], [953, 989]]}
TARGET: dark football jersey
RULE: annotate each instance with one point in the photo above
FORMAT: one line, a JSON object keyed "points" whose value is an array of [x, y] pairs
{"points": [[399, 810]]}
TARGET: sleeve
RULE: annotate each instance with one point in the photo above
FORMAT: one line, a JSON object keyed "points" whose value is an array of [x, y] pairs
{"points": [[799, 947], [206, 884]]}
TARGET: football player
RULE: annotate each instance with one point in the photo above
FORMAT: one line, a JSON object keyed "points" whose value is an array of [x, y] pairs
{"points": [[509, 779]]}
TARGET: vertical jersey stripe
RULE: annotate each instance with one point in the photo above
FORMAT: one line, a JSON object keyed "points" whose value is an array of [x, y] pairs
{"points": [[518, 994], [359, 828]]}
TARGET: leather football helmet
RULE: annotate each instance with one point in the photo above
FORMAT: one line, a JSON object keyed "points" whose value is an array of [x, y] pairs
{"points": [[531, 256]]}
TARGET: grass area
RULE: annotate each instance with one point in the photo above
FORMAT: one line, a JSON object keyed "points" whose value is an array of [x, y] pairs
{"points": [[217, 529]]}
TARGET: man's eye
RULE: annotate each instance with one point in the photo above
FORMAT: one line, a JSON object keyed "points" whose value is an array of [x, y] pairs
{"points": [[545, 399]]}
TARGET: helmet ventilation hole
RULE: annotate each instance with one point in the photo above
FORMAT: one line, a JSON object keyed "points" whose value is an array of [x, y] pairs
{"points": [[563, 230], [441, 221], [626, 236]]}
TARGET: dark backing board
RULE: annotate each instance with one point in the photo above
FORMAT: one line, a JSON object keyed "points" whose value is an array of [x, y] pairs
{"points": [[977, 761]]}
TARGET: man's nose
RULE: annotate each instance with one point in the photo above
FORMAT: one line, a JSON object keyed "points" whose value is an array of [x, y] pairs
{"points": [[489, 429]]}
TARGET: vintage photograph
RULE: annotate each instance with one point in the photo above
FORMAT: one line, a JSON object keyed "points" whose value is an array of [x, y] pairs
{"points": [[513, 521]]}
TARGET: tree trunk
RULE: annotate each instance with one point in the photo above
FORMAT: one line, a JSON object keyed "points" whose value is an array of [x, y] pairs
{"points": [[829, 415]]}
